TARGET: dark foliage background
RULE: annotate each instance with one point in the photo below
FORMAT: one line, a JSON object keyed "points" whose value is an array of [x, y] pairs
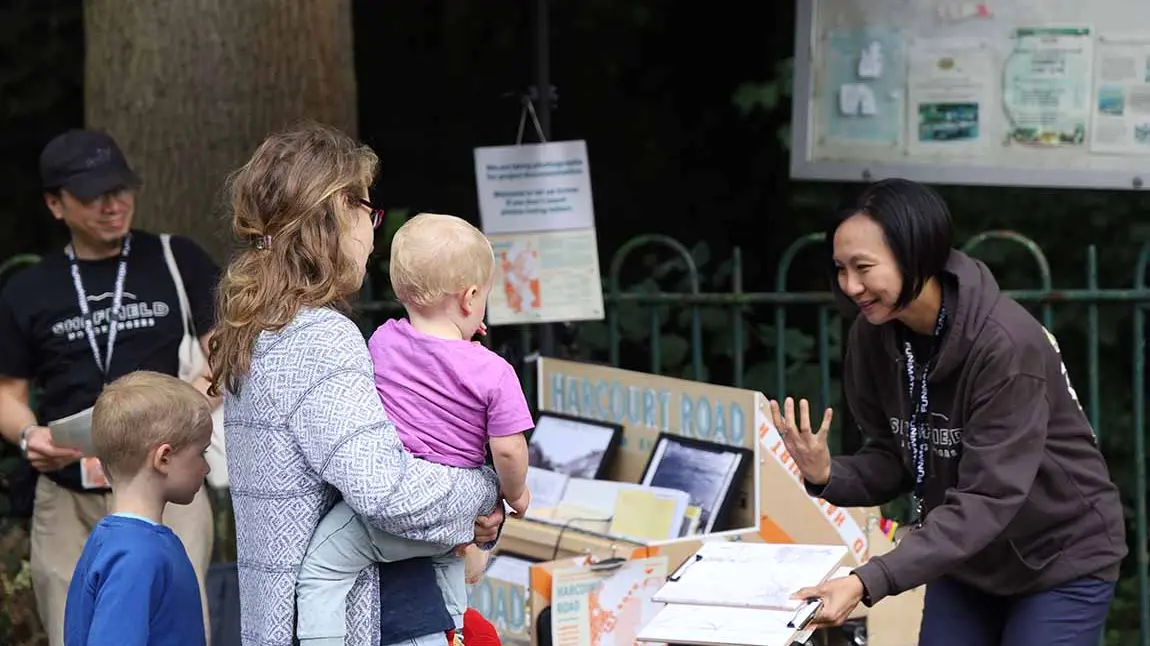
{"points": [[686, 110]]}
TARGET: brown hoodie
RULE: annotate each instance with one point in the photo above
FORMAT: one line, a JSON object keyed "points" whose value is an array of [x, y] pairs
{"points": [[1018, 498]]}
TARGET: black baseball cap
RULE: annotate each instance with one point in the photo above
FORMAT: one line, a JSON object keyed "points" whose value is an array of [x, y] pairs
{"points": [[86, 163]]}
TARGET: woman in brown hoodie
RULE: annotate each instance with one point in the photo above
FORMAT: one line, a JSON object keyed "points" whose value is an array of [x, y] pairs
{"points": [[965, 403]]}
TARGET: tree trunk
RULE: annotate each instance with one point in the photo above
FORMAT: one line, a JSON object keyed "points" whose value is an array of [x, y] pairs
{"points": [[189, 88]]}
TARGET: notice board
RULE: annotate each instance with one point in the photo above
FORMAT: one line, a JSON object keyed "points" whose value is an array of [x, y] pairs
{"points": [[1002, 92]]}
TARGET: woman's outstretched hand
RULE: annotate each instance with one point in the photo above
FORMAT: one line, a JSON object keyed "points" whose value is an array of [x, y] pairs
{"points": [[807, 448]]}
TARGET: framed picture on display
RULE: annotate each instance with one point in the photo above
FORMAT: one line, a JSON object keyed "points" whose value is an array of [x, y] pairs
{"points": [[710, 473], [577, 447]]}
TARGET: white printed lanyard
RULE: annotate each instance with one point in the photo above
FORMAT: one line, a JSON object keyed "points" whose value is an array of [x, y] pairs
{"points": [[105, 363]]}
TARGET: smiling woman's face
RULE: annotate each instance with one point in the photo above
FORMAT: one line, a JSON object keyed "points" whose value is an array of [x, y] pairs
{"points": [[867, 270]]}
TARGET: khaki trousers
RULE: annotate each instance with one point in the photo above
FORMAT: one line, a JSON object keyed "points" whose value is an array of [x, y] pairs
{"points": [[61, 522]]}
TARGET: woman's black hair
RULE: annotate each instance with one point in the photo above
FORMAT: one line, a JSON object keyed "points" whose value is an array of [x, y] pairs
{"points": [[915, 222]]}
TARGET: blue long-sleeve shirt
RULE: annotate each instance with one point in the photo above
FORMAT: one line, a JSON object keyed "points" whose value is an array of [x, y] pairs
{"points": [[133, 586]]}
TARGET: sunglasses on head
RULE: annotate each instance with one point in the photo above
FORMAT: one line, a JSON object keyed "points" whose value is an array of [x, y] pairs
{"points": [[376, 213]]}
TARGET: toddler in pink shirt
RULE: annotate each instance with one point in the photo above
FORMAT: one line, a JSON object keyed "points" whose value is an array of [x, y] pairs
{"points": [[450, 399]]}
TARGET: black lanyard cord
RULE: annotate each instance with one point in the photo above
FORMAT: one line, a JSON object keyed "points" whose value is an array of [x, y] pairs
{"points": [[919, 425]]}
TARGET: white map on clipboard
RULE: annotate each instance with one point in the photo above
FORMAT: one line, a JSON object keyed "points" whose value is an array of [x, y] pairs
{"points": [[750, 575], [717, 625]]}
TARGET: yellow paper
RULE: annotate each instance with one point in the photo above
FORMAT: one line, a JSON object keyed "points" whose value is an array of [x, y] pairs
{"points": [[691, 517], [643, 515]]}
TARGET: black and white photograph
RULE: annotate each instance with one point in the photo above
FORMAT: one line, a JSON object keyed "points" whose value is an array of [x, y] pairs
{"points": [[574, 446], [708, 472]]}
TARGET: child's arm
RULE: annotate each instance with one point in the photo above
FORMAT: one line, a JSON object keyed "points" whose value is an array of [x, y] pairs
{"points": [[509, 453], [122, 612], [507, 418]]}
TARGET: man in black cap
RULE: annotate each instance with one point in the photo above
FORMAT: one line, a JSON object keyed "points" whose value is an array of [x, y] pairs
{"points": [[102, 307]]}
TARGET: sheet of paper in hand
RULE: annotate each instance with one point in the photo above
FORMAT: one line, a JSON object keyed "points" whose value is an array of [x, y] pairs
{"points": [[74, 432]]}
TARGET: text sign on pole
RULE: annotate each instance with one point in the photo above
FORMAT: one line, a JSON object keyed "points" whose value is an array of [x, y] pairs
{"points": [[535, 206]]}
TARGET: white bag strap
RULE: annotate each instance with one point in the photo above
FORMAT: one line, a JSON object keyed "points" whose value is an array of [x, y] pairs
{"points": [[174, 269]]}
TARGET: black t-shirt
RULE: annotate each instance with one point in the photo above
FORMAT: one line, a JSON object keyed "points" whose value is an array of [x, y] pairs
{"points": [[42, 335]]}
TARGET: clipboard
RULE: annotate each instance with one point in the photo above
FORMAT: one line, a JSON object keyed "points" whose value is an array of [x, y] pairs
{"points": [[708, 606], [74, 432], [750, 575]]}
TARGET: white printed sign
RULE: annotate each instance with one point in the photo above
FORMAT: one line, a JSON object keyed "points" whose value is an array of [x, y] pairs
{"points": [[534, 188]]}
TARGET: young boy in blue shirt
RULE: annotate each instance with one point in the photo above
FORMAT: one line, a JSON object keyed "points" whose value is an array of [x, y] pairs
{"points": [[134, 584]]}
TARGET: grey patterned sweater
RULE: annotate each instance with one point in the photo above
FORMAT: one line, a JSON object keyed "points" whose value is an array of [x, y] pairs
{"points": [[306, 426]]}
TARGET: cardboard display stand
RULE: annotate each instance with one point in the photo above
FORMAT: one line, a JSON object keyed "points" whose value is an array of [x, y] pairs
{"points": [[772, 505]]}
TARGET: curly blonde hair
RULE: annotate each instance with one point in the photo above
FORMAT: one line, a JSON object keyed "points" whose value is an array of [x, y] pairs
{"points": [[290, 206]]}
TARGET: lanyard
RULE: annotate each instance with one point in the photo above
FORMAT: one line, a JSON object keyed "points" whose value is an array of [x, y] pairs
{"points": [[104, 363], [920, 423]]}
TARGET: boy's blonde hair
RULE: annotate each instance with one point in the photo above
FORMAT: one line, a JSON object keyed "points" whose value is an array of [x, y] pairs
{"points": [[434, 256], [140, 411]]}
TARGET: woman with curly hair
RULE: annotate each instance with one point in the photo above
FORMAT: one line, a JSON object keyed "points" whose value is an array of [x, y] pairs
{"points": [[305, 424]]}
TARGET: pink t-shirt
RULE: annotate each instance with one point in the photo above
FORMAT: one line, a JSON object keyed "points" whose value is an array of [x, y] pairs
{"points": [[446, 397]]}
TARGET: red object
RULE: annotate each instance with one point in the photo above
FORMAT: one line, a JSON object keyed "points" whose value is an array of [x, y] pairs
{"points": [[477, 631]]}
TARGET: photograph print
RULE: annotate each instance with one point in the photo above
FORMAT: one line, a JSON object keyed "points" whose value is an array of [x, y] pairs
{"points": [[708, 472], [574, 446]]}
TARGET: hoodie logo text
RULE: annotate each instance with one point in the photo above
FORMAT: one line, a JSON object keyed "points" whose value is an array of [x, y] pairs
{"points": [[945, 441]]}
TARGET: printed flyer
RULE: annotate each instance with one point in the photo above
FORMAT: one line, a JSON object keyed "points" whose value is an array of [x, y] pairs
{"points": [[590, 608], [545, 277], [1121, 123], [1046, 85]]}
